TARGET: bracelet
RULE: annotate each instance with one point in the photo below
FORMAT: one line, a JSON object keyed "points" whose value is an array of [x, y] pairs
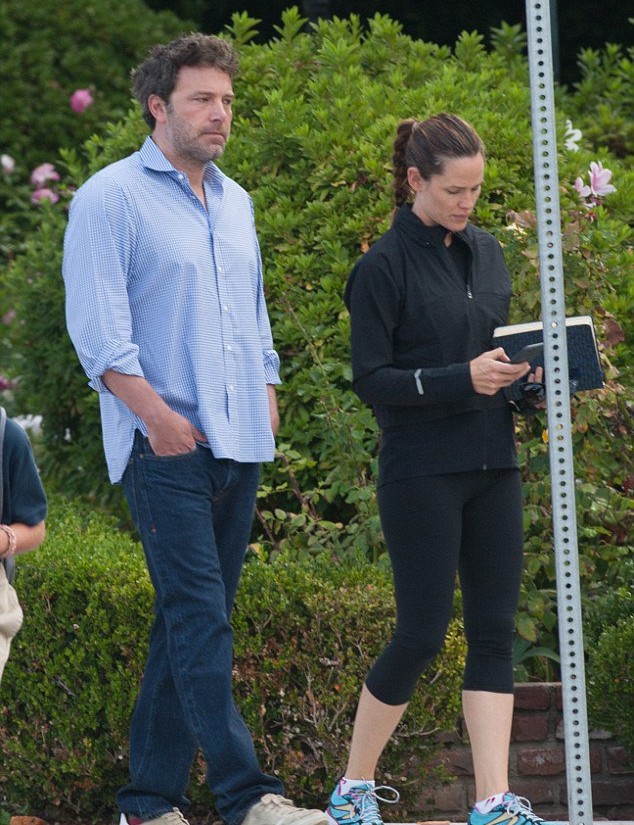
{"points": [[13, 541]]}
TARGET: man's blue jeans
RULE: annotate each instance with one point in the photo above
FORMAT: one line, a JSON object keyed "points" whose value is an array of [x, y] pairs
{"points": [[194, 514]]}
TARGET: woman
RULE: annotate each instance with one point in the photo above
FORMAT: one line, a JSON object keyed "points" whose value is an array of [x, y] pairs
{"points": [[424, 302], [22, 526]]}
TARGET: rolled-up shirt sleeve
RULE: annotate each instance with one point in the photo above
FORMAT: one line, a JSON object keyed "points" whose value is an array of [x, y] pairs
{"points": [[270, 357], [98, 244], [272, 367]]}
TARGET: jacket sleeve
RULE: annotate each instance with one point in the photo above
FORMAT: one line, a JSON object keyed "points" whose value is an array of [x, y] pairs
{"points": [[374, 298]]}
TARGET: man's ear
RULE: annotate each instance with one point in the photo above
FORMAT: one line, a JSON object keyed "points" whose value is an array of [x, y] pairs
{"points": [[157, 107], [414, 178]]}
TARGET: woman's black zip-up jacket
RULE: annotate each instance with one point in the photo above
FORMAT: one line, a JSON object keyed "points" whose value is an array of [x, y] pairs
{"points": [[416, 322]]}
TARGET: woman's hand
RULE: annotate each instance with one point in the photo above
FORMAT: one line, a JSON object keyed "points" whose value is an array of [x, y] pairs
{"points": [[537, 376], [534, 389], [492, 371]]}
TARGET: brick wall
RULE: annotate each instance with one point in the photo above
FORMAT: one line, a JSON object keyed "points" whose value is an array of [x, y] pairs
{"points": [[537, 764]]}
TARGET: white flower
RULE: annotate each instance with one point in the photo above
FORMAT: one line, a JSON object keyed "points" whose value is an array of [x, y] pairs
{"points": [[572, 137], [7, 163], [30, 422]]}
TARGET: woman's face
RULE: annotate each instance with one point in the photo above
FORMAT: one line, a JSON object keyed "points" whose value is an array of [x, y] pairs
{"points": [[448, 199]]}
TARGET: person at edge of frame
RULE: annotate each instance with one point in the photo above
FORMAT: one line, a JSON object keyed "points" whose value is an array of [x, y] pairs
{"points": [[165, 307], [23, 508], [424, 302]]}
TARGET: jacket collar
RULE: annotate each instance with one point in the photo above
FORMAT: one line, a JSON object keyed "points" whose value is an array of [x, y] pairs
{"points": [[409, 224]]}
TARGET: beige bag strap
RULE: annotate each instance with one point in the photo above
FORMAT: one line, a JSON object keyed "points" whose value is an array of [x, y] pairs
{"points": [[3, 424], [11, 617]]}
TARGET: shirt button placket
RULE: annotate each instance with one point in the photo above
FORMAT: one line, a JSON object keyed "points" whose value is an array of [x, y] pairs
{"points": [[227, 337]]}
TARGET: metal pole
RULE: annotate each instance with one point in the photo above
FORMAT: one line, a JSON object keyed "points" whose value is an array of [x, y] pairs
{"points": [[558, 407]]}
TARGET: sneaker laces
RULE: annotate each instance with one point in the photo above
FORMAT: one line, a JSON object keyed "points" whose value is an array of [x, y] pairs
{"points": [[174, 817], [520, 805], [286, 809], [369, 799]]}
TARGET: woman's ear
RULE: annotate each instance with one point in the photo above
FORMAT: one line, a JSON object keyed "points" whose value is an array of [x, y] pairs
{"points": [[414, 178]]}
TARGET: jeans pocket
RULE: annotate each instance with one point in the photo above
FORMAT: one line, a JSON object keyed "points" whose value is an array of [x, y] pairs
{"points": [[148, 453]]}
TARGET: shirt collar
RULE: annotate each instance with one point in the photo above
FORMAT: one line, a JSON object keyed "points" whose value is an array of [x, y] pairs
{"points": [[153, 158]]}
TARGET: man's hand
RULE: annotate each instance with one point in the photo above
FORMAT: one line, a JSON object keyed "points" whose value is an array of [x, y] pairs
{"points": [[172, 434], [273, 411], [169, 432], [492, 371]]}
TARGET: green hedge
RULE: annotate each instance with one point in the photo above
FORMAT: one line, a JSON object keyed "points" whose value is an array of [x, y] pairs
{"points": [[314, 126], [603, 98], [607, 610], [608, 635], [49, 49], [610, 680], [305, 637]]}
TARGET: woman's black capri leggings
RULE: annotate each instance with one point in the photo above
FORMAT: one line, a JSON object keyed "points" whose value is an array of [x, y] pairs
{"points": [[468, 522]]}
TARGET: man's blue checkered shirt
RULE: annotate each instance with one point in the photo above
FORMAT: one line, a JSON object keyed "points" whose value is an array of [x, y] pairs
{"points": [[160, 287]]}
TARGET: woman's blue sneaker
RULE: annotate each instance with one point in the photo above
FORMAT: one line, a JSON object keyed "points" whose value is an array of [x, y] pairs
{"points": [[513, 810], [358, 804]]}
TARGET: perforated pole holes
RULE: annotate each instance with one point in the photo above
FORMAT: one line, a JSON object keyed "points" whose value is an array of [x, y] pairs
{"points": [[558, 407]]}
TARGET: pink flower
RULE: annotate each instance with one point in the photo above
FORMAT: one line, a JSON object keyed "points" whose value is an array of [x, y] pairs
{"points": [[44, 194], [600, 180], [6, 383], [7, 163], [42, 174], [80, 100], [584, 191], [599, 184]]}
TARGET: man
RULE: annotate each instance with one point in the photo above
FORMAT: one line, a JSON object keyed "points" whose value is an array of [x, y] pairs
{"points": [[166, 310]]}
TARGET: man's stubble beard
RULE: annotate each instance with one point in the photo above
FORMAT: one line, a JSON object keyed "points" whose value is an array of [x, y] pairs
{"points": [[189, 148]]}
